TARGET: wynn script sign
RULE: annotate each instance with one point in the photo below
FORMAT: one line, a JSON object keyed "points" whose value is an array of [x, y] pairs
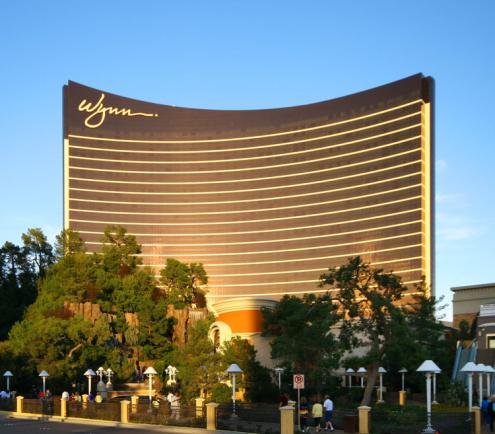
{"points": [[98, 112]]}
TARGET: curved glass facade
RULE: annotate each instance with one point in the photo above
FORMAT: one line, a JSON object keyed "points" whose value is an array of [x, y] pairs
{"points": [[266, 199]]}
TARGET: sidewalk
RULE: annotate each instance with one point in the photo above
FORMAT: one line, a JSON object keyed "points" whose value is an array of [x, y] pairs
{"points": [[138, 426]]}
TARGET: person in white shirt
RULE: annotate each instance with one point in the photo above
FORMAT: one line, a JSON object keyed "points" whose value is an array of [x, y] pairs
{"points": [[328, 406]]}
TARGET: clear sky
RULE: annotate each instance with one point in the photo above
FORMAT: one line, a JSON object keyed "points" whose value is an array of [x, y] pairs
{"points": [[249, 55]]}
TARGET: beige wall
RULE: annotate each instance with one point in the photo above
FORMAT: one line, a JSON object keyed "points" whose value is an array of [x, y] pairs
{"points": [[468, 299]]}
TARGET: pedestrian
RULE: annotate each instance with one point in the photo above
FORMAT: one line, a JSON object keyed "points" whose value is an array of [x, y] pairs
{"points": [[317, 412], [328, 406], [491, 411], [65, 395], [485, 403], [303, 414]]}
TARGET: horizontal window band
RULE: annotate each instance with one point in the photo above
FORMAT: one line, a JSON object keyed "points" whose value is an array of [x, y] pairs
{"points": [[124, 223], [342, 222], [273, 166], [305, 205], [263, 157], [312, 270], [296, 281], [247, 148], [289, 292], [262, 231], [354, 175], [374, 264], [282, 261], [324, 181], [266, 241], [282, 133], [260, 252]]}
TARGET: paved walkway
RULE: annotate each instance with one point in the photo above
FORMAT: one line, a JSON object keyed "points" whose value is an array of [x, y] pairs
{"points": [[12, 423]]}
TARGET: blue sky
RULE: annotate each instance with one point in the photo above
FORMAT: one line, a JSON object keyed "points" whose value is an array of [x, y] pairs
{"points": [[248, 55]]}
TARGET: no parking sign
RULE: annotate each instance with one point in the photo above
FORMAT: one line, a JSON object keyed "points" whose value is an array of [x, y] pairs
{"points": [[298, 380]]}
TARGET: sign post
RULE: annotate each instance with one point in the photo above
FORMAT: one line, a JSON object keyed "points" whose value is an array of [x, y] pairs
{"points": [[298, 381]]}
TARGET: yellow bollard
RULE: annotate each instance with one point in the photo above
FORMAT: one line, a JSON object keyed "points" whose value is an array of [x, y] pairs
{"points": [[19, 404], [124, 411], [63, 408], [287, 419], [364, 419], [477, 420], [402, 397], [211, 415]]}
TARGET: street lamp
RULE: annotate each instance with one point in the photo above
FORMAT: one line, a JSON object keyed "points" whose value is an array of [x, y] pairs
{"points": [[44, 375], [349, 372], [481, 371], [278, 372], [233, 369], [109, 377], [171, 371], [381, 371], [469, 369], [100, 387], [403, 373], [7, 376], [435, 385], [89, 374], [361, 371], [150, 371], [428, 367]]}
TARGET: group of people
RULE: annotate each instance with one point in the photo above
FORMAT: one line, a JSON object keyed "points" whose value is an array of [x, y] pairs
{"points": [[322, 413]]}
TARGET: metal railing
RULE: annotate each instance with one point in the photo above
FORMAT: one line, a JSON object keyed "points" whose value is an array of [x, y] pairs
{"points": [[185, 415], [94, 410]]}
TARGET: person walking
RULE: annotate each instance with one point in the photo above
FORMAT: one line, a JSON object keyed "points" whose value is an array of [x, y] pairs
{"points": [[328, 406], [317, 412], [303, 414]]}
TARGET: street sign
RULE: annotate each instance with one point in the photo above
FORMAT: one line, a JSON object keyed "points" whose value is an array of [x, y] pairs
{"points": [[298, 381]]}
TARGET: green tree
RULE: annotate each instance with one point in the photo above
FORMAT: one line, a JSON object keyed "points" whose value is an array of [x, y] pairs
{"points": [[119, 251], [183, 282], [372, 316], [38, 250], [68, 242], [255, 379], [302, 341], [200, 366]]}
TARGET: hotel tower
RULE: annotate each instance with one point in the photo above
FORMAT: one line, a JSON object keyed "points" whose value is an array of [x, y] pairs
{"points": [[267, 199]]}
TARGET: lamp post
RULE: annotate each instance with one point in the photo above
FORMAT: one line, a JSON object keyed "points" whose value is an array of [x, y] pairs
{"points": [[349, 372], [278, 372], [89, 374], [481, 371], [361, 371], [232, 370], [7, 376], [109, 377], [150, 371], [488, 372], [100, 387], [403, 373], [44, 375], [171, 371], [435, 385], [428, 367], [469, 369], [381, 371]]}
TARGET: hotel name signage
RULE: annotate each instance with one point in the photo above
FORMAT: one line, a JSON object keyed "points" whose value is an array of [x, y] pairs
{"points": [[98, 112]]}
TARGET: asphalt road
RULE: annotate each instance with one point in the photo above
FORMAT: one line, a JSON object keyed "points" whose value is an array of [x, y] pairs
{"points": [[23, 426]]}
